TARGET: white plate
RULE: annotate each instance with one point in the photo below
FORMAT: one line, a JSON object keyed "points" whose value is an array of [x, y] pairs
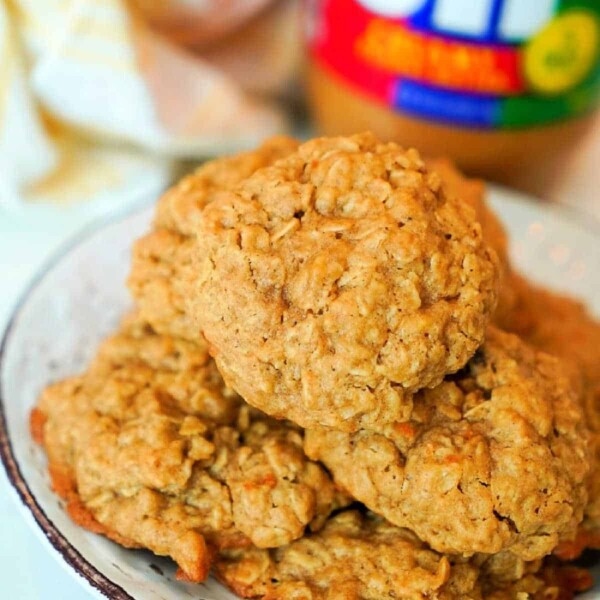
{"points": [[78, 298]]}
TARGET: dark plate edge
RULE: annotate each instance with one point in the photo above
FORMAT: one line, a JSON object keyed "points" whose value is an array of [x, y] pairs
{"points": [[68, 552]]}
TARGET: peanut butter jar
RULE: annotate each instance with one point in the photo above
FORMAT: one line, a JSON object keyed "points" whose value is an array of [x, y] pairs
{"points": [[506, 88]]}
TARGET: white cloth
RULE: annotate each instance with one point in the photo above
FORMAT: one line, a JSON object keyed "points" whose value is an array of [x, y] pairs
{"points": [[94, 105]]}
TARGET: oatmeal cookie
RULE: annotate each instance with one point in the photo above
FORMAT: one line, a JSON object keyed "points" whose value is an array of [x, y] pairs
{"points": [[362, 557], [335, 283], [494, 458], [161, 256], [150, 448], [563, 326]]}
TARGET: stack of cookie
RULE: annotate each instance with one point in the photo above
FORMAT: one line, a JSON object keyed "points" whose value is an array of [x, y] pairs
{"points": [[317, 395]]}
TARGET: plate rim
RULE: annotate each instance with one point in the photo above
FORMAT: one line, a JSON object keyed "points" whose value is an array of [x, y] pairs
{"points": [[22, 494], [72, 559]]}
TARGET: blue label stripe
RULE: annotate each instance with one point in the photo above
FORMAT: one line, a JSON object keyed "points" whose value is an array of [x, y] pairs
{"points": [[447, 106]]}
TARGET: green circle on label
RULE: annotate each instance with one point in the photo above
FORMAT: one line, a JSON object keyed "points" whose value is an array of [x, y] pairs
{"points": [[563, 53]]}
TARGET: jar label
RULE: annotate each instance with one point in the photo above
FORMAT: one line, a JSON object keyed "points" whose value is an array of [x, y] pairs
{"points": [[476, 63]]}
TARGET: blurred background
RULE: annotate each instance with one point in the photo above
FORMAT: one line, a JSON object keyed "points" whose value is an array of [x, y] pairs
{"points": [[104, 103]]}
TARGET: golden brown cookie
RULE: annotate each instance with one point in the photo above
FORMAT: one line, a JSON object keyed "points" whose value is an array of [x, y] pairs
{"points": [[150, 448], [160, 257], [563, 326], [335, 283], [494, 458], [362, 557]]}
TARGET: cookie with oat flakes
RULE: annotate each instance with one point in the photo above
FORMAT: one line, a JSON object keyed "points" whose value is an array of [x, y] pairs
{"points": [[334, 284], [150, 448], [564, 327], [495, 458]]}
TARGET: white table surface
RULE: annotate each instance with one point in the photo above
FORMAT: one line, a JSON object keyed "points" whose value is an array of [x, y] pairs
{"points": [[27, 570]]}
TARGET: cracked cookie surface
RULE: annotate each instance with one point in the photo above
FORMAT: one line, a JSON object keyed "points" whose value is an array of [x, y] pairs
{"points": [[494, 458], [150, 448], [335, 283], [564, 327]]}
